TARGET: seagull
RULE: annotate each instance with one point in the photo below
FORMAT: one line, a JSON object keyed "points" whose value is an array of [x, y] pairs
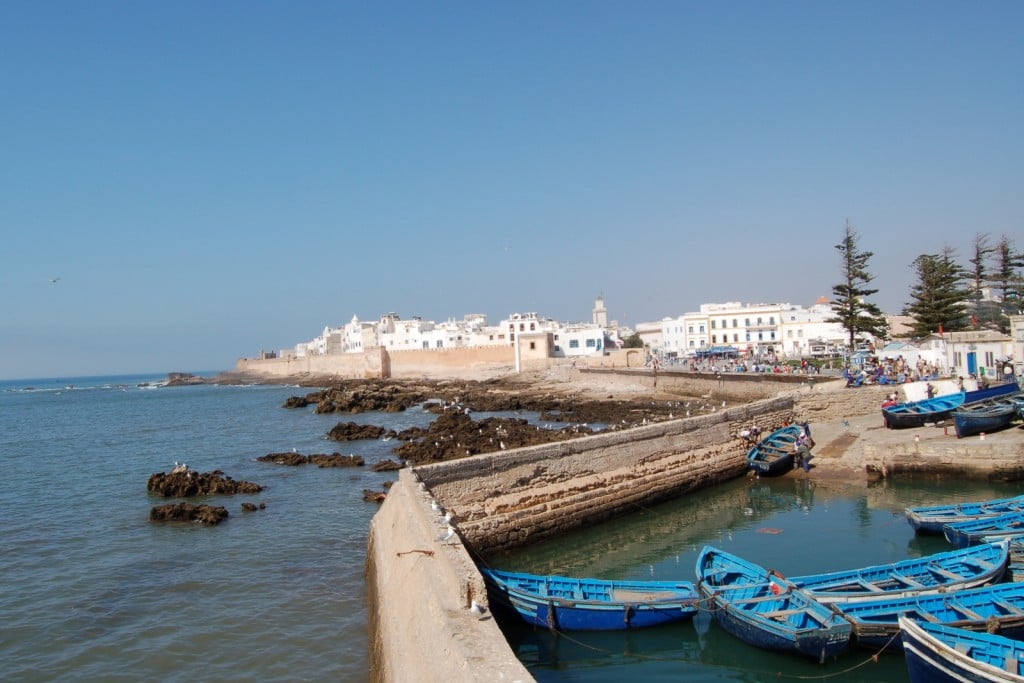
{"points": [[449, 535], [53, 280], [435, 506], [448, 516], [476, 609], [502, 444]]}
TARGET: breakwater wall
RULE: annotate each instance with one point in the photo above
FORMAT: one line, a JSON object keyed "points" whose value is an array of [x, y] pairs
{"points": [[730, 386], [422, 585]]}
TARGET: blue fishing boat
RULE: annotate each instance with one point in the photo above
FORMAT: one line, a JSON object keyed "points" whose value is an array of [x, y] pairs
{"points": [[931, 519], [944, 654], [996, 608], [918, 413], [914, 414], [774, 454], [986, 416], [571, 604], [768, 614], [964, 534], [942, 572]]}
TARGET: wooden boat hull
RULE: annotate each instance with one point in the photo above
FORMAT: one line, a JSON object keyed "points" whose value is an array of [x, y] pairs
{"points": [[774, 454], [993, 608], [942, 572], [933, 518], [969, 422], [765, 613], [570, 604], [919, 413], [942, 654], [965, 534]]}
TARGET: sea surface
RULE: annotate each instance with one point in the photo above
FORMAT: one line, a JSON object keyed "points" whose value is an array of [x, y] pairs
{"points": [[91, 590]]}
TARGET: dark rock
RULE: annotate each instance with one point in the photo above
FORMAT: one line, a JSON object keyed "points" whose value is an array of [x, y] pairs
{"points": [[350, 431], [387, 466], [183, 379], [374, 496], [209, 515], [252, 507], [183, 484], [318, 459]]}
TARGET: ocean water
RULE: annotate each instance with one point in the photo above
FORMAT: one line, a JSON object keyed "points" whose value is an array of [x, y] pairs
{"points": [[91, 590]]}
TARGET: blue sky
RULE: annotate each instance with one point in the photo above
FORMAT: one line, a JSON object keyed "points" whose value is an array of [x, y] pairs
{"points": [[211, 178]]}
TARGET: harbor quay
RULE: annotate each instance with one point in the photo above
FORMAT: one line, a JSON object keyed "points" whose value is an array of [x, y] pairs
{"points": [[429, 616]]}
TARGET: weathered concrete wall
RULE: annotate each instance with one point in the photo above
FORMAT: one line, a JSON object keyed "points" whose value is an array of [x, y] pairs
{"points": [[343, 366], [735, 386], [420, 590], [421, 586], [478, 362], [507, 499], [1000, 458]]}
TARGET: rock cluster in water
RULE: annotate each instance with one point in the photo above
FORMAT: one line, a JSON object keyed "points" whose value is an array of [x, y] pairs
{"points": [[350, 431], [209, 515], [318, 459], [184, 483]]}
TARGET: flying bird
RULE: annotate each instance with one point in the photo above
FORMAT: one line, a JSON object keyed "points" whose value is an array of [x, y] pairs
{"points": [[53, 280]]}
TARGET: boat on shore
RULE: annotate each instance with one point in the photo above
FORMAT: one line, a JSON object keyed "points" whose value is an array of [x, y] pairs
{"points": [[944, 654], [996, 608], [1006, 526], [986, 416], [768, 614], [774, 453], [913, 414], [931, 519], [571, 604]]}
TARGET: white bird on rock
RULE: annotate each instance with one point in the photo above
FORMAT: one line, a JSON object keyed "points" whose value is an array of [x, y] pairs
{"points": [[476, 609], [447, 536]]}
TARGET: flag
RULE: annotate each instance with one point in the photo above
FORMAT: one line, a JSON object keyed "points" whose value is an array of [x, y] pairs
{"points": [[940, 330]]}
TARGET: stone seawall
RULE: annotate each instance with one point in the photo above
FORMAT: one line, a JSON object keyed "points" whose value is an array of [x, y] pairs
{"points": [[421, 586]]}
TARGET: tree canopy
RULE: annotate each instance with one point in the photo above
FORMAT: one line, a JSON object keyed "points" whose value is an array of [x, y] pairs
{"points": [[938, 299], [850, 297]]}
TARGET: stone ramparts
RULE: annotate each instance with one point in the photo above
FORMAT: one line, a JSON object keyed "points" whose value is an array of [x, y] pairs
{"points": [[421, 586]]}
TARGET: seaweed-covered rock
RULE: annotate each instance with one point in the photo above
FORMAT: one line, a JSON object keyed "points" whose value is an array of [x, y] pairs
{"points": [[350, 431], [185, 483], [252, 507], [318, 459], [208, 515]]}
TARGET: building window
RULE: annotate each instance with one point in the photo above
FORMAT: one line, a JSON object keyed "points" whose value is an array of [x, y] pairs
{"points": [[426, 344], [714, 339], [789, 334], [533, 346], [440, 344], [735, 322], [574, 343], [800, 334], [591, 343], [712, 324], [771, 320], [747, 322], [522, 327], [533, 326], [735, 337], [691, 329], [702, 329]]}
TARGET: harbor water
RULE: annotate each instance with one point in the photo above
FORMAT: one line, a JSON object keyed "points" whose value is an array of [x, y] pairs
{"points": [[94, 591]]}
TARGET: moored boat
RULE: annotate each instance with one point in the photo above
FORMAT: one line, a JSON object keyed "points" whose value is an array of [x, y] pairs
{"points": [[573, 604], [986, 416], [768, 614], [1005, 526], [774, 454], [942, 572], [930, 519], [995, 608], [944, 654]]}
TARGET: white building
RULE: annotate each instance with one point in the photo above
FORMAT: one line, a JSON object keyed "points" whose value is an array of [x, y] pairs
{"points": [[780, 329]]}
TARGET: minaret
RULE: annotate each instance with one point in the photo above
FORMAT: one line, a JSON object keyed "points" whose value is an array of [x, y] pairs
{"points": [[600, 313]]}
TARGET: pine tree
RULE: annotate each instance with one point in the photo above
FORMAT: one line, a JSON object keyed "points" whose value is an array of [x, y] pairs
{"points": [[939, 299], [850, 305], [1007, 281]]}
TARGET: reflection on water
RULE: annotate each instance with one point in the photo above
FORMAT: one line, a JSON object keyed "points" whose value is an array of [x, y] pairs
{"points": [[793, 524]]}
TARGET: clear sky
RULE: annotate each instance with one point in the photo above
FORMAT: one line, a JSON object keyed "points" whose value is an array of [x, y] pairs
{"points": [[211, 178]]}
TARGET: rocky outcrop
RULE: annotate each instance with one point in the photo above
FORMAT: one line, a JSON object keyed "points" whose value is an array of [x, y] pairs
{"points": [[252, 507], [186, 483], [350, 431], [208, 515], [181, 379], [318, 459]]}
